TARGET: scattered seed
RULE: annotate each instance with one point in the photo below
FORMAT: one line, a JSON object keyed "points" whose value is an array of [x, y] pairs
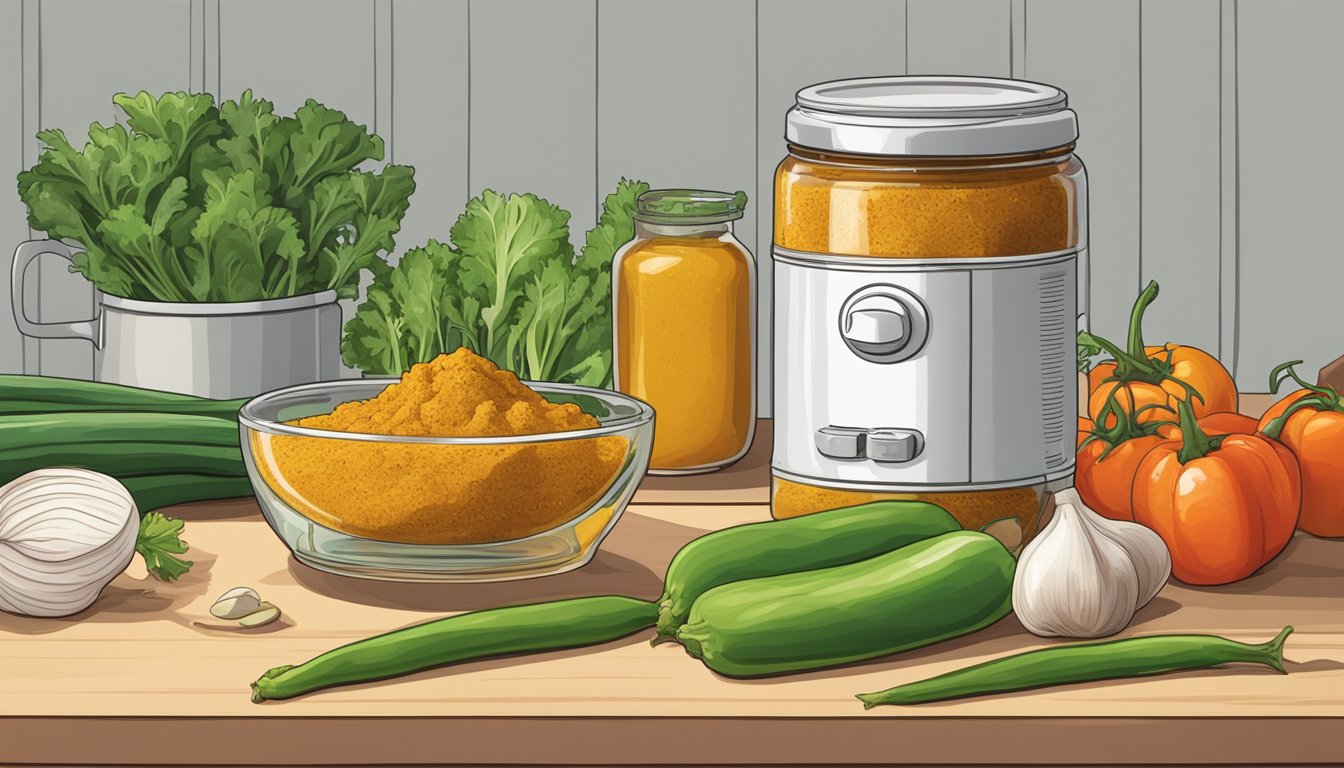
{"points": [[236, 603], [262, 617]]}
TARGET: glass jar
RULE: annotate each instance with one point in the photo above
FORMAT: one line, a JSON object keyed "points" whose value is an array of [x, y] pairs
{"points": [[684, 307], [930, 235]]}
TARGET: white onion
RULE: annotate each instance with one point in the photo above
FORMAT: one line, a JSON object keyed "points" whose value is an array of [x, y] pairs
{"points": [[64, 534]]}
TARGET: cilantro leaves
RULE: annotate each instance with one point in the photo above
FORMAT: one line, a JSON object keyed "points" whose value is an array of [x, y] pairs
{"points": [[159, 543], [196, 203], [509, 287]]}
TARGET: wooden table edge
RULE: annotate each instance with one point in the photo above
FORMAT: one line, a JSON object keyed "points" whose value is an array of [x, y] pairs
{"points": [[673, 740]]}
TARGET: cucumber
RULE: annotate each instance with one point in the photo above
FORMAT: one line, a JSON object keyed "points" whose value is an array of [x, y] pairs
{"points": [[156, 491], [48, 394], [918, 595], [52, 429], [166, 448], [804, 543], [216, 409], [125, 459]]}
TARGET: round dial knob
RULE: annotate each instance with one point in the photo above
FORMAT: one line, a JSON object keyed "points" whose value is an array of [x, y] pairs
{"points": [[877, 324], [883, 323]]}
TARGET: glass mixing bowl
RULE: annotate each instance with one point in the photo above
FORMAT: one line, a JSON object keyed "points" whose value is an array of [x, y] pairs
{"points": [[408, 508]]}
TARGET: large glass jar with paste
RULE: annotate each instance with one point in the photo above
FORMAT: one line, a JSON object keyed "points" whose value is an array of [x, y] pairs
{"points": [[683, 295], [929, 238]]}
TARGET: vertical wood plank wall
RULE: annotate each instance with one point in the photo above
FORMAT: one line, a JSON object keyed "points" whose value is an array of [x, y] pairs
{"points": [[14, 155], [1091, 50], [1289, 197], [1209, 128]]}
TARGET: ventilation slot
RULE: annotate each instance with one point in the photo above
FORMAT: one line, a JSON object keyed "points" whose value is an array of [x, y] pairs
{"points": [[1058, 366]]}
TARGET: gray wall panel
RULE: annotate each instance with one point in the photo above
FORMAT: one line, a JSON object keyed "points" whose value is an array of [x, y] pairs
{"points": [[1091, 50], [32, 122], [533, 102], [13, 139], [212, 16], [676, 115], [873, 35], [1229, 239], [140, 44], [73, 94], [959, 37], [1018, 32], [195, 44], [429, 109], [1181, 171], [1292, 271], [293, 50]]}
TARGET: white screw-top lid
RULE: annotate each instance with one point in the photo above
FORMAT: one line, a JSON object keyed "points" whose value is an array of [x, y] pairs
{"points": [[929, 115]]}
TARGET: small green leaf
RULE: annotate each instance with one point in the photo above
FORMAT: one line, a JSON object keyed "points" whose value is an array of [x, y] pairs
{"points": [[159, 543], [249, 248], [378, 202], [325, 142], [503, 242], [1087, 350], [182, 121], [375, 341]]}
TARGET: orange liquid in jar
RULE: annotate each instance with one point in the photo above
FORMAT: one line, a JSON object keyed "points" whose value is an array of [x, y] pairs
{"points": [[684, 346]]}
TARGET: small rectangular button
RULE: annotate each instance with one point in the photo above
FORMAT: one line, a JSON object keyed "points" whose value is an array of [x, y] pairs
{"points": [[841, 442], [894, 445]]}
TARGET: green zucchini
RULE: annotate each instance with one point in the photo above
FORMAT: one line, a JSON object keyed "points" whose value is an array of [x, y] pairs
{"points": [[918, 595], [166, 448], [216, 409], [38, 430], [155, 491], [804, 543], [125, 459], [50, 394]]}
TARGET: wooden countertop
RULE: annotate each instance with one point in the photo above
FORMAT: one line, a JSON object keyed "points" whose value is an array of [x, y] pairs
{"points": [[147, 676]]}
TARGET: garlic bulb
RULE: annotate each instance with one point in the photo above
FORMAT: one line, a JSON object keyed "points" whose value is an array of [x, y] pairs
{"points": [[64, 534], [1086, 575]]}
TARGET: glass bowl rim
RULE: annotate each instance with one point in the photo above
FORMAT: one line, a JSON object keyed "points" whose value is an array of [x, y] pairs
{"points": [[608, 426]]}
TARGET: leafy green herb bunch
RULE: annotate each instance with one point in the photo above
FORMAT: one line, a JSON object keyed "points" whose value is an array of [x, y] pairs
{"points": [[509, 286], [189, 202]]}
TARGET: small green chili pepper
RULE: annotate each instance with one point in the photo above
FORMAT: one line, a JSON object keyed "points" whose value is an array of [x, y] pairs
{"points": [[1085, 662], [477, 635]]}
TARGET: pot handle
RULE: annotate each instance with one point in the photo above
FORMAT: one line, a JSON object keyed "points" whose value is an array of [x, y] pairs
{"points": [[24, 255]]}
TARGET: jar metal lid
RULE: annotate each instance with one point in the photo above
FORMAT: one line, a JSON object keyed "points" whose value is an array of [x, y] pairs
{"points": [[689, 206], [931, 115]]}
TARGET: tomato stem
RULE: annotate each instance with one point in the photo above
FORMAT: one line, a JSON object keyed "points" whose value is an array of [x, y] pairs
{"points": [[1133, 364], [1086, 351], [1127, 425], [1136, 346], [1195, 442], [1330, 398], [1127, 367], [1320, 399]]}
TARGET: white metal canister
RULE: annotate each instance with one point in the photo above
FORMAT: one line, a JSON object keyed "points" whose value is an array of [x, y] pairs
{"points": [[928, 235]]}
